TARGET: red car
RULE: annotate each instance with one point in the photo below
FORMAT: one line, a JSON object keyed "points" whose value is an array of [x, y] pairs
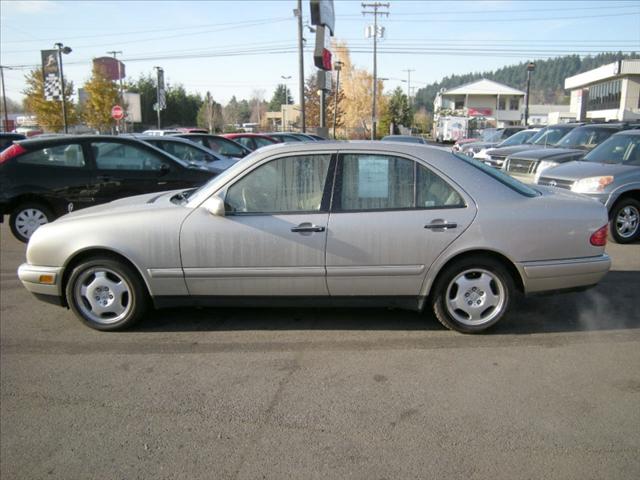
{"points": [[252, 141]]}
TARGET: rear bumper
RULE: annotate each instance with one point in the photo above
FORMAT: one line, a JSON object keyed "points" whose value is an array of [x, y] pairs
{"points": [[30, 276], [544, 276]]}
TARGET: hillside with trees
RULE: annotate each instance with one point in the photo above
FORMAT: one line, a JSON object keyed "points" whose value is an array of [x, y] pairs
{"points": [[547, 81]]}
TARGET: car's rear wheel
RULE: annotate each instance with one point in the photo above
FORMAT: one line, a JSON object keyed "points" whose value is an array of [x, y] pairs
{"points": [[625, 221], [27, 217], [106, 294], [472, 294]]}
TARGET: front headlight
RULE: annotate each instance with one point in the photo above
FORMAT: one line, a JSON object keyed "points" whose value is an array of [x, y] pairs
{"points": [[542, 166], [591, 184]]}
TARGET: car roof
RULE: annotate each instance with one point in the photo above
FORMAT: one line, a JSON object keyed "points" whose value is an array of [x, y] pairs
{"points": [[635, 132], [62, 139]]}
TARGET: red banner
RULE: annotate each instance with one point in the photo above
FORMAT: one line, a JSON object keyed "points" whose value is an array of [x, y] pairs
{"points": [[479, 112]]}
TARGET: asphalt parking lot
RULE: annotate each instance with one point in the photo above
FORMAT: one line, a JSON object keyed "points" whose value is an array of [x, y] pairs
{"points": [[552, 392]]}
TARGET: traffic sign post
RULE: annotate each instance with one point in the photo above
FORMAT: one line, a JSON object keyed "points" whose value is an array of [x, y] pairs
{"points": [[117, 112]]}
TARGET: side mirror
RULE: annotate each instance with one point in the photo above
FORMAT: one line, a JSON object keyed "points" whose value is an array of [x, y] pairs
{"points": [[215, 206]]}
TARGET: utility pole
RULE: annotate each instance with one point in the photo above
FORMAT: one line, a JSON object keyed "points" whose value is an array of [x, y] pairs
{"points": [[115, 53], [4, 101], [375, 12], [409, 70], [303, 118], [337, 66]]}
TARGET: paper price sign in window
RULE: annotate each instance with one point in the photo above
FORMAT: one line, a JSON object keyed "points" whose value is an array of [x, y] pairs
{"points": [[373, 178]]}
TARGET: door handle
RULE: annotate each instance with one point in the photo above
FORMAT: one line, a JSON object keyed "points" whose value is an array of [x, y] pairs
{"points": [[307, 228], [444, 225], [105, 178]]}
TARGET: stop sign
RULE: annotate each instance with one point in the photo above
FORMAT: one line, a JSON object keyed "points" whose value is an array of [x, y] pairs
{"points": [[117, 112]]}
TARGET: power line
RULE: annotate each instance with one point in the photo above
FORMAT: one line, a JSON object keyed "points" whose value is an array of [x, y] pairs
{"points": [[510, 20], [492, 12], [137, 32]]}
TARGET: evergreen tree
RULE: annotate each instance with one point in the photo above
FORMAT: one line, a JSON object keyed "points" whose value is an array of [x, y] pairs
{"points": [[281, 96]]}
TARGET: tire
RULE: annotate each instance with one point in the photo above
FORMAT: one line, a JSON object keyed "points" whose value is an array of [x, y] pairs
{"points": [[624, 224], [472, 294], [106, 294], [27, 217]]}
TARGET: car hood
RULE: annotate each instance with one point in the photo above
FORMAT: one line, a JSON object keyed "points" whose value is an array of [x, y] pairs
{"points": [[465, 142], [578, 170], [148, 201], [506, 151], [480, 145], [554, 154]]}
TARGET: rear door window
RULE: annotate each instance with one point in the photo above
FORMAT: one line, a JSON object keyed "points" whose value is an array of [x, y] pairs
{"points": [[119, 156], [65, 156]]}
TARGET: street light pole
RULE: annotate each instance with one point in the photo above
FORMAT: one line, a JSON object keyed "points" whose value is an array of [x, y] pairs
{"points": [[66, 50], [530, 68], [338, 66], [158, 73], [286, 98]]}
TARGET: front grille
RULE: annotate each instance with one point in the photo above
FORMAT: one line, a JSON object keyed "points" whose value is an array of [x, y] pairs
{"points": [[496, 161], [556, 182], [520, 165]]}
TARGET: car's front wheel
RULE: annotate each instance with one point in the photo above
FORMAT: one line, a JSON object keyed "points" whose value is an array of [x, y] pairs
{"points": [[26, 218], [472, 294], [625, 221], [106, 294]]}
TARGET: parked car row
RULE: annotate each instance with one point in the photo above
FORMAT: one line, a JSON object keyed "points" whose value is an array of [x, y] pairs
{"points": [[50, 175], [599, 160], [45, 177]]}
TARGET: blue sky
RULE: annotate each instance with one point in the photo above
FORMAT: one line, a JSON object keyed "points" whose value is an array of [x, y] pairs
{"points": [[248, 45]]}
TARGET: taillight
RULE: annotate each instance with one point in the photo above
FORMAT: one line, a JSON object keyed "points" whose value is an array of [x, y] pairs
{"points": [[11, 152], [599, 237]]}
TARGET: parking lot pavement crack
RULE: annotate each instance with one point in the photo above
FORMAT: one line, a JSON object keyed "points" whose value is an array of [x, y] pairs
{"points": [[294, 366]]}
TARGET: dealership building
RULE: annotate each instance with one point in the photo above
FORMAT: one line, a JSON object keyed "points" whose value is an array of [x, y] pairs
{"points": [[610, 92], [482, 98]]}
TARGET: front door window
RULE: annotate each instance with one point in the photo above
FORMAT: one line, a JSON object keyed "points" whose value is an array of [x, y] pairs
{"points": [[287, 185]]}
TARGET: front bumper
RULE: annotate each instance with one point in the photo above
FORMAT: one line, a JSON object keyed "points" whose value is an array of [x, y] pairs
{"points": [[543, 276], [41, 280]]}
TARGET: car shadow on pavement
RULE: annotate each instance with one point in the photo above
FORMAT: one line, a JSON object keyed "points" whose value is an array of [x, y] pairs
{"points": [[612, 305]]}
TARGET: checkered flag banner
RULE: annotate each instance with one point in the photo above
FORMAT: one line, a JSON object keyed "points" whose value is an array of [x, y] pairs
{"points": [[51, 75], [52, 88]]}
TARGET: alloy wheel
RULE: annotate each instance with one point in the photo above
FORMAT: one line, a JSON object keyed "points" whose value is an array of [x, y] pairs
{"points": [[475, 297]]}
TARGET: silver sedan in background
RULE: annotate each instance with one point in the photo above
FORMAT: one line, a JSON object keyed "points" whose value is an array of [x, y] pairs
{"points": [[325, 224]]}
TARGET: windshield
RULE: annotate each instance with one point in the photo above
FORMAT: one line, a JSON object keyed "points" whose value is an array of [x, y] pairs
{"points": [[617, 149], [200, 194], [550, 135], [517, 139], [586, 137], [490, 135], [500, 176]]}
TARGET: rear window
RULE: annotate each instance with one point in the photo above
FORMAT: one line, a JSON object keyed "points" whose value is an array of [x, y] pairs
{"points": [[500, 176]]}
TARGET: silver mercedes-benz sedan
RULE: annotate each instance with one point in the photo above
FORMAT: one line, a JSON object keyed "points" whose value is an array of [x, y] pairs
{"points": [[325, 224]]}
